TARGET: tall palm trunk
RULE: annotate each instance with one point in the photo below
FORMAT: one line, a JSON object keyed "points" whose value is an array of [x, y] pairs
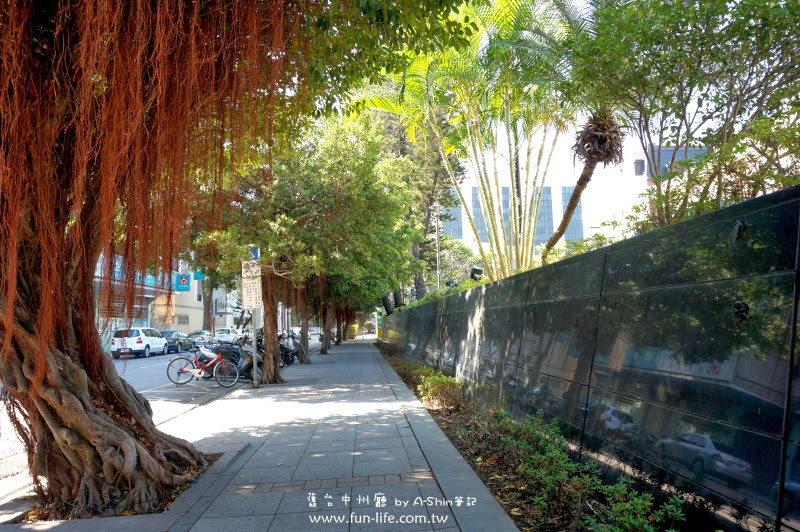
{"points": [[583, 180], [599, 141]]}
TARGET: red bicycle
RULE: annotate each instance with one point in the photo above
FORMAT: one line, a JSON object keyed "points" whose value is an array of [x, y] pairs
{"points": [[181, 370]]}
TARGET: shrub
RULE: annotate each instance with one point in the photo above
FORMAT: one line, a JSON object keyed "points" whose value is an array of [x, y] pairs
{"points": [[526, 463], [438, 391], [412, 373]]}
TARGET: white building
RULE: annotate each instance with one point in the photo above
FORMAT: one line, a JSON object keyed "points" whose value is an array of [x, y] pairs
{"points": [[610, 195]]}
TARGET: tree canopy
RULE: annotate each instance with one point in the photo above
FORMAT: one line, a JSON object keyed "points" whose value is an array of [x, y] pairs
{"points": [[110, 114]]}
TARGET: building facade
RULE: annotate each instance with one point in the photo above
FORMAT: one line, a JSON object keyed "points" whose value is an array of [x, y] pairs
{"points": [[610, 196]]}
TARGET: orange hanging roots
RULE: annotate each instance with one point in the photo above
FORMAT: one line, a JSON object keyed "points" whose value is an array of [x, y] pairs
{"points": [[106, 106]]}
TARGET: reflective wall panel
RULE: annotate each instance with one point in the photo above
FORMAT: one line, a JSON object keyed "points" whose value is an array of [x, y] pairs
{"points": [[670, 352]]}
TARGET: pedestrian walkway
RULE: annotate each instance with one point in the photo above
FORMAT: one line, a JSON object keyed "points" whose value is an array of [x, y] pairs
{"points": [[342, 445]]}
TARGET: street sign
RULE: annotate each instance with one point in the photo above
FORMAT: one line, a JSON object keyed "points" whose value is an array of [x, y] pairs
{"points": [[251, 281], [182, 283], [251, 293]]}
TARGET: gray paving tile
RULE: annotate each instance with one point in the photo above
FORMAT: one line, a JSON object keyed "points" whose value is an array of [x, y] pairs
{"points": [[323, 499], [275, 449], [419, 464], [334, 433], [219, 485], [252, 523], [259, 475], [280, 460], [393, 467], [243, 504], [337, 445], [327, 457], [378, 455], [378, 443], [288, 439], [327, 470], [300, 522], [483, 522], [441, 517], [382, 433], [378, 519], [399, 495], [195, 511]]}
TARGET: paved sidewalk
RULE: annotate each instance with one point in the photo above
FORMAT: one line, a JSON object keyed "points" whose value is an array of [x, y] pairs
{"points": [[343, 442]]}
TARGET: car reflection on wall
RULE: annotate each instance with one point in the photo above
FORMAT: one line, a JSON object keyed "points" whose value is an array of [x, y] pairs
{"points": [[702, 456], [448, 360], [539, 398]]}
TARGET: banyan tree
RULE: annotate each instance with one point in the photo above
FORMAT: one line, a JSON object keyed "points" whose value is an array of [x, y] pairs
{"points": [[111, 111]]}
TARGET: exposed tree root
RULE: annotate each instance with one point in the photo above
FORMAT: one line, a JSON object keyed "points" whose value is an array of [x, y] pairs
{"points": [[93, 447]]}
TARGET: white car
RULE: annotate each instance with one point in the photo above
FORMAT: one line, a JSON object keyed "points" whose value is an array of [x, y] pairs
{"points": [[227, 335], [141, 342]]}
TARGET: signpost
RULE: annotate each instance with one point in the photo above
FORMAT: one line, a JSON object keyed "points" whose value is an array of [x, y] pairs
{"points": [[251, 298]]}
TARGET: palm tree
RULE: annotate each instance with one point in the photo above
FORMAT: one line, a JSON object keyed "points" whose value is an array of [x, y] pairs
{"points": [[487, 103], [599, 141]]}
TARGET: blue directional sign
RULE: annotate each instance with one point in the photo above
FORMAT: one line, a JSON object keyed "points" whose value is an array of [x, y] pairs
{"points": [[181, 283]]}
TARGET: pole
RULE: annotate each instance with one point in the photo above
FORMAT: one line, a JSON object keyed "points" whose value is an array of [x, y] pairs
{"points": [[437, 209], [438, 269]]}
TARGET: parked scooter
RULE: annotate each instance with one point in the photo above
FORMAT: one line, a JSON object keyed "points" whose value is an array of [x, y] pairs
{"points": [[243, 356], [288, 354]]}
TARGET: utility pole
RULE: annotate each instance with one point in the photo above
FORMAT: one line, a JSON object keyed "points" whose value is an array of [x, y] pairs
{"points": [[437, 209]]}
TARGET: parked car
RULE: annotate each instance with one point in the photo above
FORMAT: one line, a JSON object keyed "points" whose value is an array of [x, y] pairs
{"points": [[610, 419], [105, 340], [538, 398], [177, 341], [703, 455], [201, 337], [227, 336], [141, 342]]}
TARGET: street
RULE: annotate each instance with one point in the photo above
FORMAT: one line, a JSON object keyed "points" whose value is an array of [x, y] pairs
{"points": [[149, 377]]}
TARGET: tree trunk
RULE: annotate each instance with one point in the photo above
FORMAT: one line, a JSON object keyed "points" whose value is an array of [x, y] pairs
{"points": [[419, 279], [583, 180], [398, 299], [89, 435], [387, 304], [324, 344], [329, 321], [208, 305], [242, 322], [338, 326], [270, 373], [303, 354]]}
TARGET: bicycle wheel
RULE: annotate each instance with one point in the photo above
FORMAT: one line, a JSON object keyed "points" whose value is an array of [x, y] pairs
{"points": [[178, 370], [226, 373]]}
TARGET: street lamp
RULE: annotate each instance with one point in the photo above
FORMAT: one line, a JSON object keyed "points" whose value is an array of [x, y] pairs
{"points": [[437, 210]]}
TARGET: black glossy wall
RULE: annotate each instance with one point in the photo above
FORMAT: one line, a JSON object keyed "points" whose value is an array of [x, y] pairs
{"points": [[674, 349]]}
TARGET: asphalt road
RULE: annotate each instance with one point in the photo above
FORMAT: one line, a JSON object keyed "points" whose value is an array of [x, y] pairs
{"points": [[149, 377]]}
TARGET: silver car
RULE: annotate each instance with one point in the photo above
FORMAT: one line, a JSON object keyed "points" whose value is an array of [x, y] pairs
{"points": [[703, 455], [227, 336], [201, 337]]}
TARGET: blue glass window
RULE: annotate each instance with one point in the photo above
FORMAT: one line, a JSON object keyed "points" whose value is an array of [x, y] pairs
{"points": [[544, 224], [453, 227], [575, 228], [477, 214], [507, 212]]}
